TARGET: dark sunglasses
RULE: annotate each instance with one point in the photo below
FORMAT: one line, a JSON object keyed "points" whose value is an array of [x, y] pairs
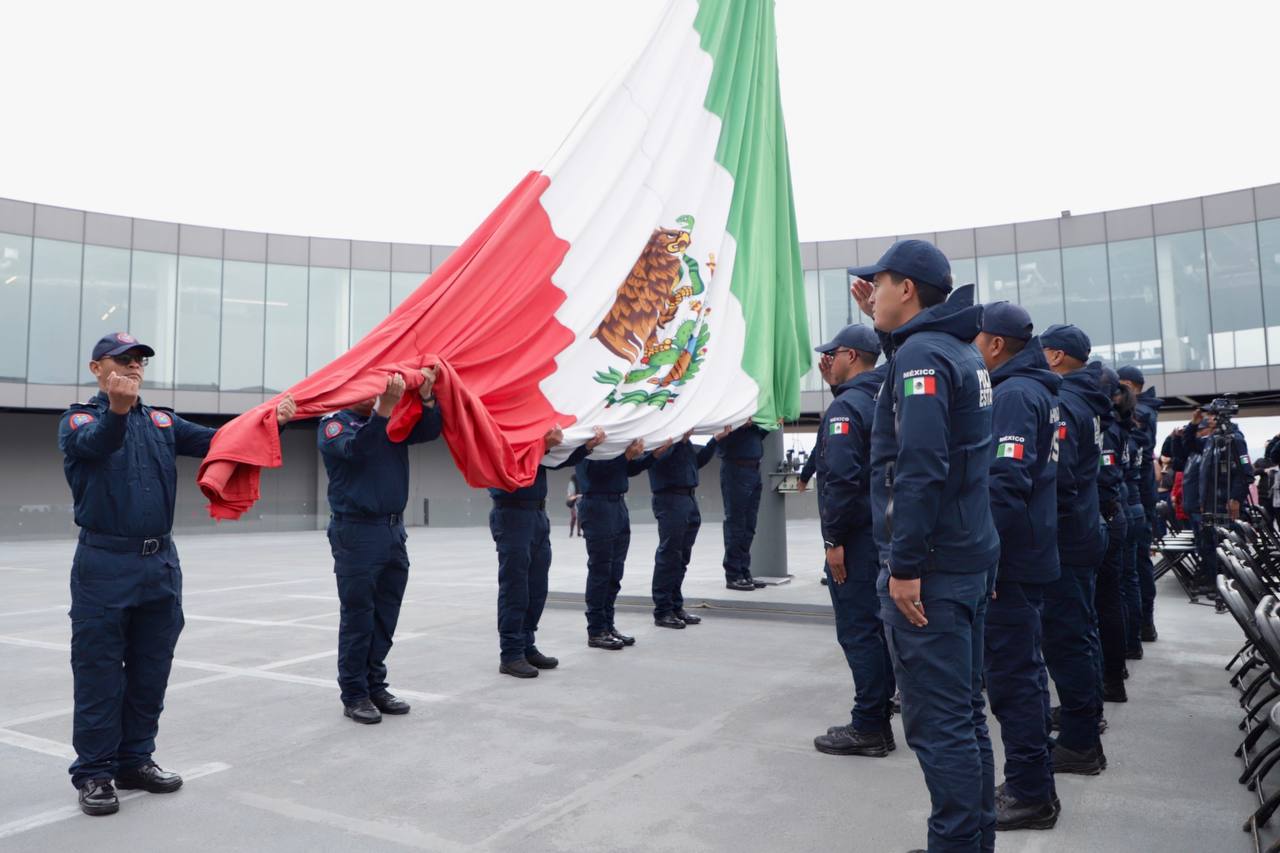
{"points": [[126, 359]]}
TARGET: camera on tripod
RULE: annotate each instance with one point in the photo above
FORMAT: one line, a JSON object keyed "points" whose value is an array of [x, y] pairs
{"points": [[1222, 409]]}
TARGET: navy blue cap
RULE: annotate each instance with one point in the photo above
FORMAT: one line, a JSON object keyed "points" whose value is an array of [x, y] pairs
{"points": [[861, 338], [1007, 320], [1070, 339], [918, 260], [115, 343], [1129, 373]]}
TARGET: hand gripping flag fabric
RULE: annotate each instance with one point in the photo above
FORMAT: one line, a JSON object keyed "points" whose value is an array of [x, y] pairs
{"points": [[647, 280]]}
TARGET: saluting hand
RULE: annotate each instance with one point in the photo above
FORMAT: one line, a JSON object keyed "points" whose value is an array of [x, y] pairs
{"points": [[835, 562], [906, 595], [860, 290], [122, 391], [598, 436], [285, 410], [635, 449]]}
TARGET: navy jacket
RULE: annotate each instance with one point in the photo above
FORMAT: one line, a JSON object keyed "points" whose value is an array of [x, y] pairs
{"points": [[1148, 408], [368, 472], [1228, 480], [1082, 403], [122, 469], [844, 468], [609, 476], [931, 447], [1115, 451], [537, 490], [678, 467], [744, 444], [1135, 435], [1024, 496]]}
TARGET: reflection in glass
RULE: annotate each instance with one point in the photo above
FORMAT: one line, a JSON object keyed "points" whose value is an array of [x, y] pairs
{"points": [[997, 279], [15, 304], [1184, 301], [1087, 294], [1269, 266], [964, 271], [55, 311], [104, 301], [1235, 294], [199, 319], [1135, 305], [1040, 286], [152, 311], [837, 303], [244, 286], [285, 361], [404, 283], [370, 301], [812, 380], [328, 316]]}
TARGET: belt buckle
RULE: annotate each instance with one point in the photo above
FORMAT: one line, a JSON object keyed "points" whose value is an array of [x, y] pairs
{"points": [[150, 546]]}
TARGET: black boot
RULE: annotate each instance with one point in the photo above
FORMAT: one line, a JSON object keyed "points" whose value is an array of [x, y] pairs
{"points": [[539, 660], [757, 584], [623, 638], [686, 617], [1148, 634], [97, 797], [388, 704], [1012, 813], [850, 741], [739, 585], [148, 777], [1089, 763], [605, 641], [1133, 654], [363, 711], [668, 620], [1113, 690], [519, 668]]}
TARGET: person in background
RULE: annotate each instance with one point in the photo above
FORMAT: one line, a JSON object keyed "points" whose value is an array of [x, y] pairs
{"points": [[571, 501]]}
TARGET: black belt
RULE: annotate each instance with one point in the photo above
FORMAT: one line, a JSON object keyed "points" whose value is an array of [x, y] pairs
{"points": [[603, 496], [391, 520], [744, 463], [508, 503], [685, 492], [141, 546]]}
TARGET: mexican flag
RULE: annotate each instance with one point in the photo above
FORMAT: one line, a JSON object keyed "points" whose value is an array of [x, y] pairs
{"points": [[646, 280]]}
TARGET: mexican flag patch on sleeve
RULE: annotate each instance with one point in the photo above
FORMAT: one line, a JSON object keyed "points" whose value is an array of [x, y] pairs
{"points": [[919, 386], [1009, 450]]}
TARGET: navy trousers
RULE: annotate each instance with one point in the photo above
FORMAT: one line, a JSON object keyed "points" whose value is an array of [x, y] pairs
{"points": [[1068, 653], [126, 615], [523, 539], [860, 632], [1146, 571], [678, 523], [1108, 600], [740, 488], [371, 566], [1129, 585], [606, 526], [1017, 685], [939, 673]]}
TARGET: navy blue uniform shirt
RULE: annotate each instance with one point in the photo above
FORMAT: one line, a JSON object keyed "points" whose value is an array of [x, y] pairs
{"points": [[1148, 408], [1135, 435], [1111, 490], [1024, 496], [844, 457], [931, 447], [122, 469], [744, 444], [610, 476], [537, 490], [1082, 405], [678, 467], [368, 472]]}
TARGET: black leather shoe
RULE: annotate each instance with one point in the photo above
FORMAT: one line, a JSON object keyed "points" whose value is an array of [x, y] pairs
{"points": [[1089, 763], [388, 704], [605, 641], [97, 797], [850, 741], [1148, 634], [668, 620], [740, 585], [1133, 654], [623, 638], [757, 584], [1113, 691], [541, 661], [519, 668], [363, 711], [1014, 814], [148, 777], [688, 618]]}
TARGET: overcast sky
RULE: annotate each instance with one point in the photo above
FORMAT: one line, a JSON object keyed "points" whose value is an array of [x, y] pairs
{"points": [[409, 120]]}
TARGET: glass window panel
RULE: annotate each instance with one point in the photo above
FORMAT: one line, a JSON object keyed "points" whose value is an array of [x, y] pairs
{"points": [[1235, 294], [1184, 301], [997, 279], [244, 290], [104, 301], [837, 304], [1269, 265], [1134, 304], [15, 304], [153, 310], [55, 311], [285, 361], [1088, 297], [1040, 286], [812, 380], [404, 283], [199, 322], [964, 271], [370, 301], [328, 316]]}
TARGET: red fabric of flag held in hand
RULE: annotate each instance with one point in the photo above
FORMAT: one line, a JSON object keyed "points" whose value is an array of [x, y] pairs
{"points": [[486, 317]]}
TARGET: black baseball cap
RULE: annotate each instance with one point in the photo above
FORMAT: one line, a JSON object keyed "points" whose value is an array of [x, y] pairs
{"points": [[1070, 339], [115, 343], [861, 338], [1007, 320], [918, 260]]}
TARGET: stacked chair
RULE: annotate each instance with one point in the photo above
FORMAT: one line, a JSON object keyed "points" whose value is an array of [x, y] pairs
{"points": [[1177, 550]]}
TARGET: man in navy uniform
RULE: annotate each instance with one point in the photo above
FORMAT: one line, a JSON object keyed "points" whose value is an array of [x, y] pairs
{"points": [[1024, 502], [606, 526], [740, 453], [1108, 597], [368, 490], [852, 563], [1148, 409], [126, 581], [522, 534], [931, 505], [673, 480], [1225, 474], [1068, 601]]}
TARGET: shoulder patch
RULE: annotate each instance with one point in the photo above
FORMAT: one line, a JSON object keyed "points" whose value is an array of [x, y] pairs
{"points": [[79, 419], [1009, 450], [161, 419], [333, 429]]}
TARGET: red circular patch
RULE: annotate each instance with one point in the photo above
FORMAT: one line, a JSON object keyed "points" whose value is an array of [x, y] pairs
{"points": [[333, 429], [79, 419], [161, 419], [126, 338]]}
